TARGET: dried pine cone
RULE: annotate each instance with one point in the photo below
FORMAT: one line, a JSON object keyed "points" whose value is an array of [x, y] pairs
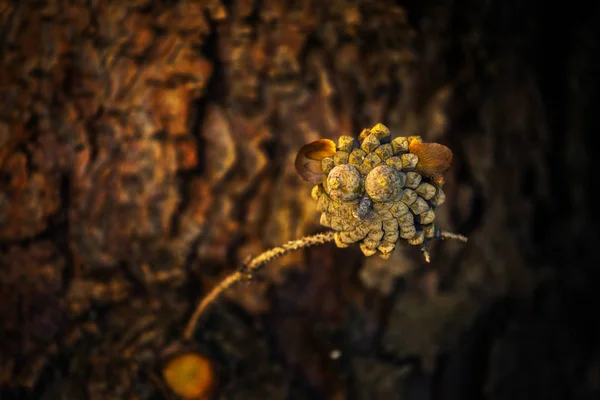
{"points": [[375, 190]]}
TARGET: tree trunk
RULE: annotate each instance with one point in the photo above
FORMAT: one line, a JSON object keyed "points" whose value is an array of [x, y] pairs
{"points": [[147, 149]]}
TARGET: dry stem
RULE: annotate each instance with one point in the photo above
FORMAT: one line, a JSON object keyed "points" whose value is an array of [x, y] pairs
{"points": [[455, 236], [248, 270], [250, 267]]}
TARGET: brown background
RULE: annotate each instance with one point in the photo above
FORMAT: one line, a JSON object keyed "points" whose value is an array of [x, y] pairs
{"points": [[146, 148]]}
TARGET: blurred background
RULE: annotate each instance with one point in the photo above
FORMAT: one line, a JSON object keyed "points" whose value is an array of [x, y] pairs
{"points": [[147, 147]]}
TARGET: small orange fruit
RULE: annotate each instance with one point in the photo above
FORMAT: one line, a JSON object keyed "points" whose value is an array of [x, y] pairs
{"points": [[190, 376]]}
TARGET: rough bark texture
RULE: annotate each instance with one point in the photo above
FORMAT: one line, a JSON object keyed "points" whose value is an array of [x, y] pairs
{"points": [[146, 149]]}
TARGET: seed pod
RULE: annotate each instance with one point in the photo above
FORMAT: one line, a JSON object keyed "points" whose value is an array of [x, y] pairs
{"points": [[337, 224], [363, 134], [371, 242], [399, 209], [339, 242], [341, 157], [346, 237], [391, 237], [394, 162], [344, 183], [384, 151], [386, 247], [390, 225], [375, 224], [409, 196], [372, 191], [383, 205], [417, 239], [371, 161], [381, 132], [400, 145], [406, 219], [426, 190], [325, 220], [391, 229], [383, 183], [317, 191], [438, 199], [346, 211], [419, 206], [346, 143], [357, 157], [362, 230], [376, 236], [385, 215], [354, 235], [370, 143], [366, 250], [327, 164], [427, 217], [430, 231], [323, 203], [413, 180], [409, 161], [407, 231]]}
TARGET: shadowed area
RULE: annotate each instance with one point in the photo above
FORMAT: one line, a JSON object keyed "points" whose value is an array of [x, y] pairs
{"points": [[147, 149]]}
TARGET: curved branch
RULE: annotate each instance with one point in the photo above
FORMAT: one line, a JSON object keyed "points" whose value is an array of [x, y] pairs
{"points": [[249, 268]]}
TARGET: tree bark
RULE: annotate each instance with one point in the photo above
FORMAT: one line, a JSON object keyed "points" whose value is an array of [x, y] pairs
{"points": [[147, 149]]}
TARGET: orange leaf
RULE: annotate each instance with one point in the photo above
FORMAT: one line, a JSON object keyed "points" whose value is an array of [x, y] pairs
{"points": [[308, 159], [434, 159]]}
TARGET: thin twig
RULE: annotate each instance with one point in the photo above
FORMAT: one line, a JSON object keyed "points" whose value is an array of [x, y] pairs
{"points": [[441, 235], [426, 254], [250, 268], [455, 236]]}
